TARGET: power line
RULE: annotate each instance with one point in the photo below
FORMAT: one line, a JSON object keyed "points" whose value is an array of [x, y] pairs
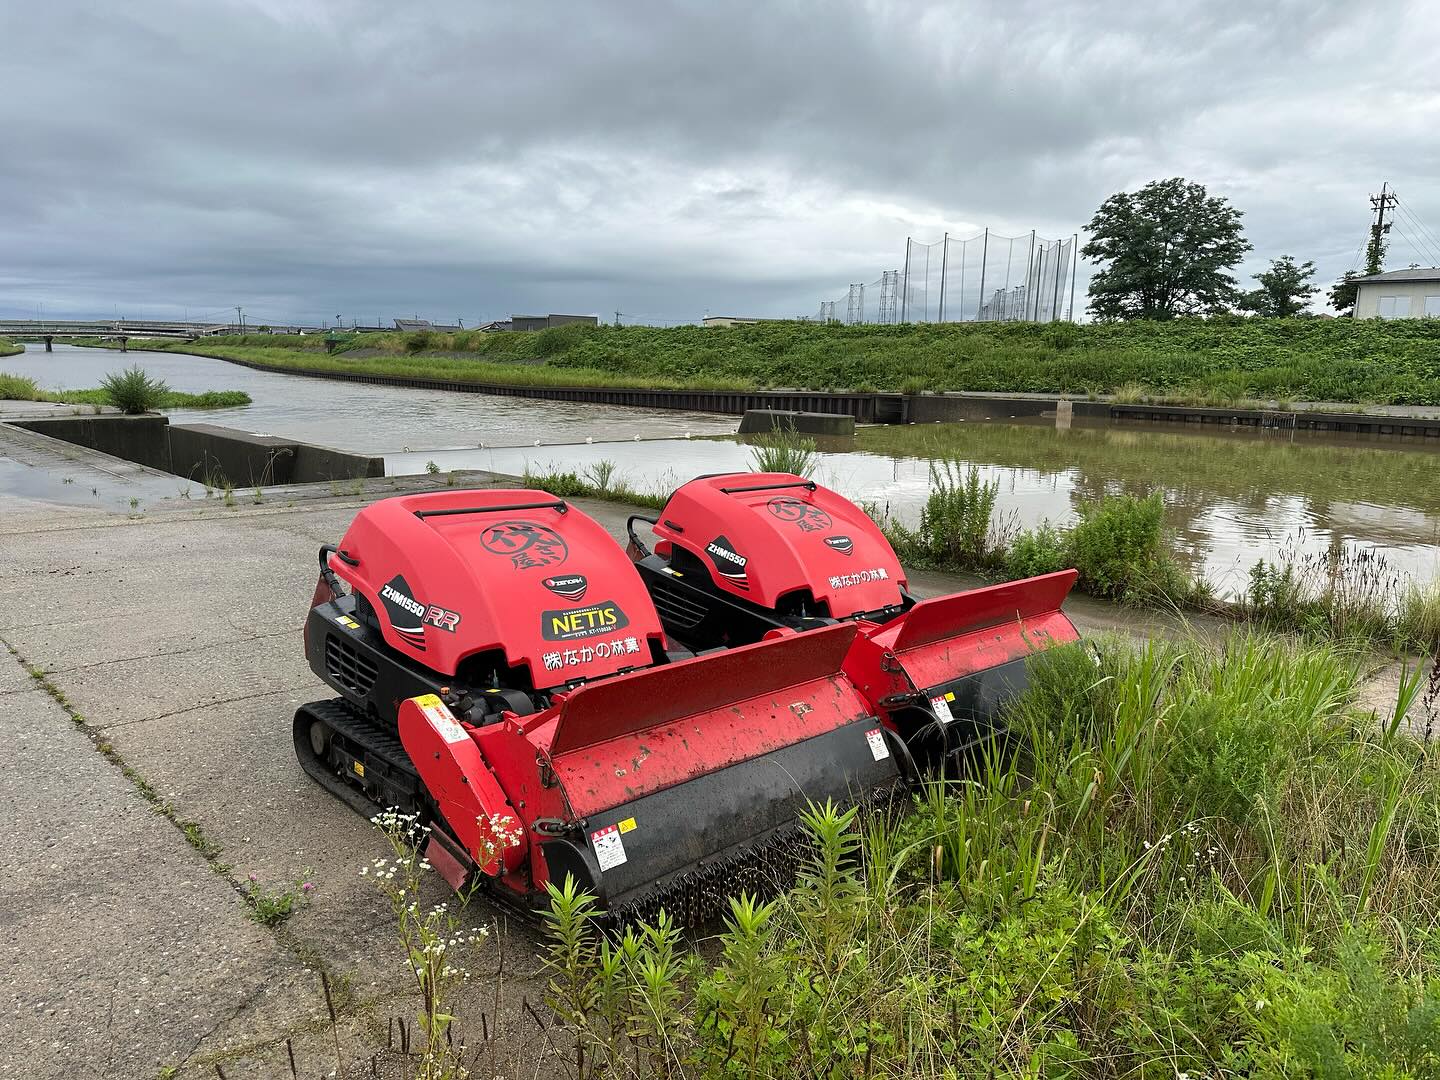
{"points": [[1432, 242], [1418, 246]]}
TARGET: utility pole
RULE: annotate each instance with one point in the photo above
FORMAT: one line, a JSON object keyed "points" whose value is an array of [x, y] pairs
{"points": [[240, 317], [1375, 250]]}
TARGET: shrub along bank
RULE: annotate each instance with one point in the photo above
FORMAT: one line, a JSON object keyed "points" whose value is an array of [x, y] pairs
{"points": [[1121, 551], [1220, 360], [9, 348], [1187, 859]]}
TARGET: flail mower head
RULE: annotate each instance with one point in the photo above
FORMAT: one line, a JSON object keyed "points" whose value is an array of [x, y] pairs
{"points": [[745, 557], [504, 674]]}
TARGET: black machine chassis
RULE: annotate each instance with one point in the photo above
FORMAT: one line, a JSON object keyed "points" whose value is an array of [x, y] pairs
{"points": [[395, 678], [726, 620]]}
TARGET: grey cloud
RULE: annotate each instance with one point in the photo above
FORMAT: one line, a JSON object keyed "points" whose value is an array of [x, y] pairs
{"points": [[663, 158]]}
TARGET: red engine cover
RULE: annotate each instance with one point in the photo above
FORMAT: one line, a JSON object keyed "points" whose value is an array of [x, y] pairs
{"points": [[453, 573], [767, 534]]}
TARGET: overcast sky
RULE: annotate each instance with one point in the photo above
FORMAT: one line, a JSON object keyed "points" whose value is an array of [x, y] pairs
{"points": [[370, 158]]}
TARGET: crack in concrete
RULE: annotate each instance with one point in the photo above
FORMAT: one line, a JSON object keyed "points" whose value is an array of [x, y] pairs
{"points": [[249, 636], [197, 708]]}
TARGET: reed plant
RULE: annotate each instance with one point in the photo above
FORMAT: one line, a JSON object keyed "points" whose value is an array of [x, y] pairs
{"points": [[784, 450]]}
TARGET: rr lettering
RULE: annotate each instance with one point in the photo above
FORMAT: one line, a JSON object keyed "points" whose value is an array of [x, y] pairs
{"points": [[439, 617]]}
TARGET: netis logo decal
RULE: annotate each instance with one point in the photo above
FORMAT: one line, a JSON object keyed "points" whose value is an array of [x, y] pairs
{"points": [[842, 544], [582, 622], [570, 586], [729, 563]]}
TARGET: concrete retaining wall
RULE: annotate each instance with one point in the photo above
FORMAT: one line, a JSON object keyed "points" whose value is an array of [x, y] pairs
{"points": [[135, 438], [209, 453], [807, 423]]}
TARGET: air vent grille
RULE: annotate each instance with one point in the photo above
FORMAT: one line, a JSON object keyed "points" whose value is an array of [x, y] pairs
{"points": [[347, 667]]}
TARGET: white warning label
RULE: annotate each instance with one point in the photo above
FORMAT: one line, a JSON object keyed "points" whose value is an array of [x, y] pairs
{"points": [[609, 848], [942, 709], [876, 738], [448, 727]]}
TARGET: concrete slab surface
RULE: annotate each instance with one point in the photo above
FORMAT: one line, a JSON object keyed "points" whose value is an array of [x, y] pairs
{"points": [[121, 949]]}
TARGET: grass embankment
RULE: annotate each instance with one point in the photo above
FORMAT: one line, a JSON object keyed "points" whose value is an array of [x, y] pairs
{"points": [[1190, 859], [20, 388], [10, 348], [1215, 361]]}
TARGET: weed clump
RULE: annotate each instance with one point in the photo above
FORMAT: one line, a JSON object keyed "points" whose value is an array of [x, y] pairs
{"points": [[784, 450], [133, 391]]}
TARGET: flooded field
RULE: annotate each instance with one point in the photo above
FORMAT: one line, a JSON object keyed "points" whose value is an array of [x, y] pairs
{"points": [[1231, 498]]}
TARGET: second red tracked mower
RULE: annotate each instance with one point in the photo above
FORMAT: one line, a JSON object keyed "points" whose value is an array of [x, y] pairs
{"points": [[504, 675], [745, 557]]}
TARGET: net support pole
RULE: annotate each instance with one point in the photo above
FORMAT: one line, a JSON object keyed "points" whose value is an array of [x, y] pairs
{"points": [[1059, 268], [984, 254], [1074, 265], [905, 288], [944, 258], [1029, 279]]}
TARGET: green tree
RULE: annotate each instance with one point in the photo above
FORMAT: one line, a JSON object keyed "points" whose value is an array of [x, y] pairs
{"points": [[1164, 250], [1344, 293], [1285, 289]]}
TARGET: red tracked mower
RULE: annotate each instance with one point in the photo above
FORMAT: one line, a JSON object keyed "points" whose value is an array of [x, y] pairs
{"points": [[745, 557], [499, 660]]}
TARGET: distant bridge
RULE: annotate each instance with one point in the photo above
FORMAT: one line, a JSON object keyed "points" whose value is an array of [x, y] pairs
{"points": [[121, 330]]}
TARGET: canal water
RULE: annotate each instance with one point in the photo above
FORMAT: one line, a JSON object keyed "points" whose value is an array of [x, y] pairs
{"points": [[1232, 497], [357, 416]]}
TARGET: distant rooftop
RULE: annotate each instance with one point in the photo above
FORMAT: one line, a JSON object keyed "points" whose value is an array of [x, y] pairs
{"points": [[1420, 273]]}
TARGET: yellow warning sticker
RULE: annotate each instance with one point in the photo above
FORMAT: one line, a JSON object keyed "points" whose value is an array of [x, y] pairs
{"points": [[347, 622], [359, 769], [949, 695], [427, 701], [628, 825]]}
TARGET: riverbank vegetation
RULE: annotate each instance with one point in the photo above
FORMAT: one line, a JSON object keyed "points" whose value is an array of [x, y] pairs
{"points": [[10, 348], [1187, 859], [1215, 360], [1122, 548], [131, 391]]}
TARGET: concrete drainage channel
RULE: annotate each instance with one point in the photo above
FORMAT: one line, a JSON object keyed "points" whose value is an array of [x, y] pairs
{"points": [[207, 452]]}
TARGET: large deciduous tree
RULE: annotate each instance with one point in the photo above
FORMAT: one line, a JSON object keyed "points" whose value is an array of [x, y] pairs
{"points": [[1285, 289], [1164, 250]]}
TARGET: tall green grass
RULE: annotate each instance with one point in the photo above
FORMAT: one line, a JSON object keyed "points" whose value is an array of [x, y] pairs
{"points": [[1190, 859], [10, 348], [783, 451], [19, 388]]}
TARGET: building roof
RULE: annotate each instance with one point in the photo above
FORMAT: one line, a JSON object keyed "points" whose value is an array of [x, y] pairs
{"points": [[1422, 273]]}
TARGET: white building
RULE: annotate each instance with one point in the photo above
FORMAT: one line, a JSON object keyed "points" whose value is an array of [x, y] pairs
{"points": [[1399, 294]]}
